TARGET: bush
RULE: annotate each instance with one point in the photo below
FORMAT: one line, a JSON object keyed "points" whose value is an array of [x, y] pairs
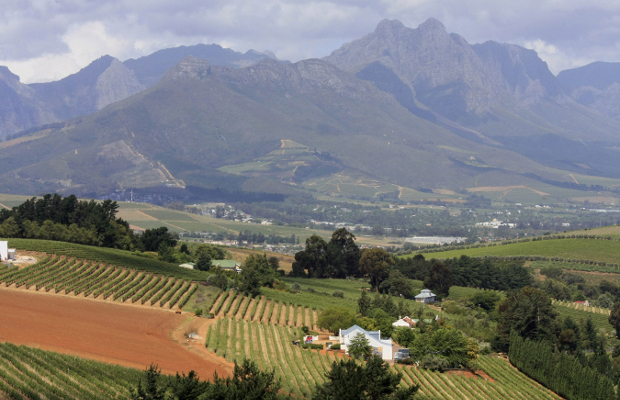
{"points": [[335, 346], [405, 361], [338, 293], [434, 363], [312, 346], [198, 312]]}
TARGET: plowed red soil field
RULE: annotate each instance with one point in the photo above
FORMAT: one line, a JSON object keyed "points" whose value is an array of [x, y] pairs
{"points": [[130, 336]]}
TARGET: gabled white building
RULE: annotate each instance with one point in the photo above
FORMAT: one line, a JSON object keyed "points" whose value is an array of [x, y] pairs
{"points": [[404, 322], [383, 346]]}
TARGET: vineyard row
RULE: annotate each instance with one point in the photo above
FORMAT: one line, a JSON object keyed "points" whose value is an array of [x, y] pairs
{"points": [[71, 276]]}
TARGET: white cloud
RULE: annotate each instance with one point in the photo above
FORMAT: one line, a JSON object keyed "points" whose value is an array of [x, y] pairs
{"points": [[556, 60]]}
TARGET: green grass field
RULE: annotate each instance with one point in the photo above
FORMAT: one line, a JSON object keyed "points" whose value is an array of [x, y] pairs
{"points": [[589, 249]]}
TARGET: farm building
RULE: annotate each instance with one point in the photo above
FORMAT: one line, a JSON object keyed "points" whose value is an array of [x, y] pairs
{"points": [[405, 322], [189, 265], [5, 252], [382, 345], [231, 265], [426, 296]]}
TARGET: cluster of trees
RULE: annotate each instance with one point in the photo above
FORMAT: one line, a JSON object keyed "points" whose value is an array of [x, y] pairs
{"points": [[559, 371], [68, 219], [338, 258], [465, 271], [438, 347], [566, 286], [347, 380], [528, 313]]}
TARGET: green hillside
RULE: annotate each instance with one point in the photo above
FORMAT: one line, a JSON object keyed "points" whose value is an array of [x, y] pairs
{"points": [[607, 251]]}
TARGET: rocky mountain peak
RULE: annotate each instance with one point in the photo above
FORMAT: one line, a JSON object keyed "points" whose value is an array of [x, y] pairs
{"points": [[7, 75], [432, 25], [188, 68]]}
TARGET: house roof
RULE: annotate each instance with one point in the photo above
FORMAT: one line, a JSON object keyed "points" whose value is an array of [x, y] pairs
{"points": [[225, 263], [373, 334], [425, 293]]}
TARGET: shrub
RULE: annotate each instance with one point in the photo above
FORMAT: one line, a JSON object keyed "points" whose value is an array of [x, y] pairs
{"points": [[312, 346], [335, 346], [434, 363], [338, 293], [198, 312], [405, 361]]}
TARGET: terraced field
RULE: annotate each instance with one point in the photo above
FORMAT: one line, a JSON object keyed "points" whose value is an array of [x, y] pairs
{"points": [[90, 279], [120, 258], [29, 373], [260, 309], [300, 370]]}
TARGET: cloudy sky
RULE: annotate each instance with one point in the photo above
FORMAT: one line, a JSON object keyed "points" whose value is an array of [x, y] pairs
{"points": [[42, 40]]}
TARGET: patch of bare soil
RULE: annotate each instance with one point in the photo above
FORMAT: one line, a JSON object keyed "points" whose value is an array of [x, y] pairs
{"points": [[114, 333]]}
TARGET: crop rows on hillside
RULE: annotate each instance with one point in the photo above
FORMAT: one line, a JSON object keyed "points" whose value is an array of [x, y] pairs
{"points": [[121, 258], [601, 321], [301, 370], [29, 373], [581, 307], [70, 276], [260, 309]]}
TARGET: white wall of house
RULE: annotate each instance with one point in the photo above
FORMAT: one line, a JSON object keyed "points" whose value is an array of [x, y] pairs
{"points": [[384, 346], [4, 251]]}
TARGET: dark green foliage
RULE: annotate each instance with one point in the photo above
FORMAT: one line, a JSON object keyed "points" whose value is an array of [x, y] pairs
{"points": [[376, 264], [364, 304], [529, 313], [153, 238], [215, 252], [614, 318], [485, 300], [335, 318], [560, 372], [556, 289], [471, 272], [203, 262], [67, 219], [150, 390], [255, 274], [397, 284], [313, 260], [439, 279], [247, 383], [344, 255], [337, 259], [359, 347], [373, 380]]}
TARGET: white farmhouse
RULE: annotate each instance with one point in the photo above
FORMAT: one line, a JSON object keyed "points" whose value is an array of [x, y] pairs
{"points": [[383, 346], [426, 296]]}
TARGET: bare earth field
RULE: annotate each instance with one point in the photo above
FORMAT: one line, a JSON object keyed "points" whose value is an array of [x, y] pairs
{"points": [[129, 336]]}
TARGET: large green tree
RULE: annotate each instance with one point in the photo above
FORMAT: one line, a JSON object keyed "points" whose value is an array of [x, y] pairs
{"points": [[373, 380], [439, 279], [376, 263], [343, 254], [313, 261], [529, 313], [334, 318]]}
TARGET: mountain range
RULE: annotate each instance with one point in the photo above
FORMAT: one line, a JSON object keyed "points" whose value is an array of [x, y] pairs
{"points": [[415, 108]]}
